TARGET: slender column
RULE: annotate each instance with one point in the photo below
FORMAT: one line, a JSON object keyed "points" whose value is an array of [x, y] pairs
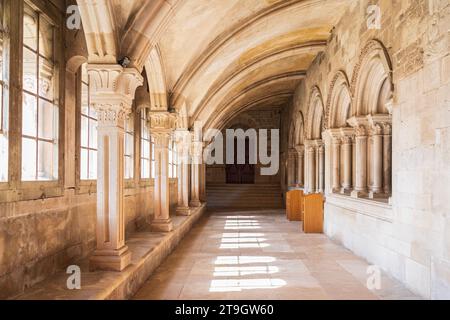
{"points": [[321, 167], [360, 188], [183, 144], [336, 160], [346, 151], [112, 90], [387, 158], [300, 165], [377, 161], [196, 152], [310, 168], [161, 128]]}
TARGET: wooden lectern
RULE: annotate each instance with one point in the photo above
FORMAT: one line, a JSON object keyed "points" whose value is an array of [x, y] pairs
{"points": [[312, 213], [294, 203]]}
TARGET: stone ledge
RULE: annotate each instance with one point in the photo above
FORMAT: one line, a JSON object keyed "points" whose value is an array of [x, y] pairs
{"points": [[148, 250], [374, 209]]}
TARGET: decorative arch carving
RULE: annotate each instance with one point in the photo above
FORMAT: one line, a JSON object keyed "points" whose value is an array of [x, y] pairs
{"points": [[372, 80], [300, 129], [315, 121], [339, 102]]}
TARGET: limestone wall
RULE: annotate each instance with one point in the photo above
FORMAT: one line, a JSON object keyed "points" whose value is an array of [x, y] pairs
{"points": [[411, 237]]}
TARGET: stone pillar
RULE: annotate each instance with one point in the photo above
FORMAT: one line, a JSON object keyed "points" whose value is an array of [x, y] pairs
{"points": [[347, 155], [162, 124], [310, 167], [360, 188], [377, 161], [196, 152], [112, 91], [300, 165], [335, 159], [387, 158], [183, 144], [321, 167]]}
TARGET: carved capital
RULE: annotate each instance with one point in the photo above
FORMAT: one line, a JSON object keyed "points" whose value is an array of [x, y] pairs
{"points": [[112, 90], [161, 121]]}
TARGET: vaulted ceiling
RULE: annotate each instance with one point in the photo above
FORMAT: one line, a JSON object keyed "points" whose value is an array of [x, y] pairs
{"points": [[218, 57]]}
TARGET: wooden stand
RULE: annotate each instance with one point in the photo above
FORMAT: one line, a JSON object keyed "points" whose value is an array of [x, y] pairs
{"points": [[294, 203], [312, 213]]}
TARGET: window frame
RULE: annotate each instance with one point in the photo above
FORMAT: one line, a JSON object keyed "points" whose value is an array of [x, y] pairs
{"points": [[89, 118], [35, 189], [143, 126], [132, 156], [4, 83]]}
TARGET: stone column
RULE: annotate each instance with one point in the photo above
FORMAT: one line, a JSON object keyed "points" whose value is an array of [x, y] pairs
{"points": [[360, 188], [335, 159], [387, 158], [300, 165], [346, 152], [162, 124], [112, 91], [321, 167], [183, 144], [377, 160], [310, 167], [196, 152]]}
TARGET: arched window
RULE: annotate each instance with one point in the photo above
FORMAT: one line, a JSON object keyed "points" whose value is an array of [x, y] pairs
{"points": [[88, 132], [3, 102], [40, 111]]}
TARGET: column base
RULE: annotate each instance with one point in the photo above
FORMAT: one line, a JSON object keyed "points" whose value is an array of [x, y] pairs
{"points": [[195, 203], [161, 225], [358, 194], [346, 191], [183, 211], [110, 260], [378, 195]]}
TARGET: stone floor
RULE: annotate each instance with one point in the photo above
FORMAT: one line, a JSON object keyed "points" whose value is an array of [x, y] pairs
{"points": [[242, 254]]}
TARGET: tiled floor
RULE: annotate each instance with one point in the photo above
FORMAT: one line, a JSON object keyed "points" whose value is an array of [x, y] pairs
{"points": [[256, 255]]}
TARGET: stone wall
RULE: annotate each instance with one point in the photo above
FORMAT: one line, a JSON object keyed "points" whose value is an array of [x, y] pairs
{"points": [[410, 237]]}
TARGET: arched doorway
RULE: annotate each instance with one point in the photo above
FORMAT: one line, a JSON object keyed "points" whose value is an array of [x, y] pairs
{"points": [[240, 173]]}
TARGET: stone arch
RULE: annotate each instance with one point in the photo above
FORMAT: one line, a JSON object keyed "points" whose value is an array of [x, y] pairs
{"points": [[315, 114], [372, 85], [339, 102], [300, 130], [156, 81]]}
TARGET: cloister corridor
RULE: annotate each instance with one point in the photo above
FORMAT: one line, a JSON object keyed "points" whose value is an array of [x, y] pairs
{"points": [[258, 254]]}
